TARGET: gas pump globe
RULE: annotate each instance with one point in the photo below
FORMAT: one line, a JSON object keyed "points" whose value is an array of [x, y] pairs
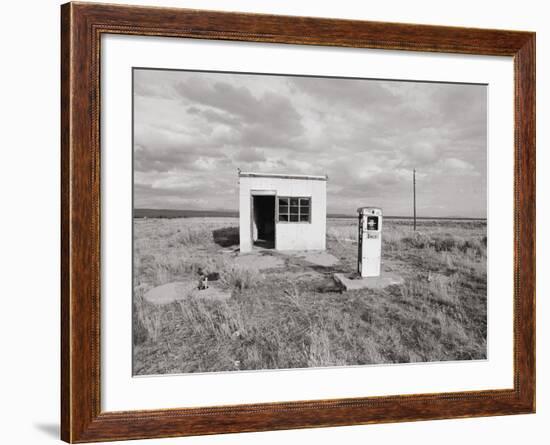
{"points": [[370, 241]]}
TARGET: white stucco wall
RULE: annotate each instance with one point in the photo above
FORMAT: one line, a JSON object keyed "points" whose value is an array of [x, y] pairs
{"points": [[288, 236]]}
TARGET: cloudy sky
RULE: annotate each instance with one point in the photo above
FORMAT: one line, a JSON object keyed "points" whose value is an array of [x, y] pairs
{"points": [[192, 131]]}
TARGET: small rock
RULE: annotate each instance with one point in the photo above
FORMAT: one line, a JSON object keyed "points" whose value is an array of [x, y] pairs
{"points": [[213, 276]]}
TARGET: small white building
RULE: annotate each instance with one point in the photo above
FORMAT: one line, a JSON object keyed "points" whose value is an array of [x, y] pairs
{"points": [[283, 212]]}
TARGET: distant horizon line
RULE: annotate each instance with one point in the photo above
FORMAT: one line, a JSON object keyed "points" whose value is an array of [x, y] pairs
{"points": [[219, 212]]}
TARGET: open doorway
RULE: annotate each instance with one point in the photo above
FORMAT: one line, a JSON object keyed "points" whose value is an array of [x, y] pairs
{"points": [[263, 221]]}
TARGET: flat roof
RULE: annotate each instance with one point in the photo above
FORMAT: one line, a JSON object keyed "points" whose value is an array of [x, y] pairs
{"points": [[282, 176]]}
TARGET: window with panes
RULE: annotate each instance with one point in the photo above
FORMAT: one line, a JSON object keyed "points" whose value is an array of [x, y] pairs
{"points": [[294, 209]]}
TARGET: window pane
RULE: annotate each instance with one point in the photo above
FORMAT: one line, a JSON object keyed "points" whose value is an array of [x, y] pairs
{"points": [[294, 218], [304, 218], [304, 201], [283, 218], [294, 210], [304, 209], [283, 209], [293, 201], [283, 201]]}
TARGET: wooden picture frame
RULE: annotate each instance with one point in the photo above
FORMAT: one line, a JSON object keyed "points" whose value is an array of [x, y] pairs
{"points": [[82, 26]]}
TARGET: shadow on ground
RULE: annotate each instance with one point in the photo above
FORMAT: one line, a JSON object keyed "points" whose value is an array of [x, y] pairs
{"points": [[226, 236], [49, 429]]}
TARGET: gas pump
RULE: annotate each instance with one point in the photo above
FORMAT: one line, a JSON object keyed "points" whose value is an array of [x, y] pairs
{"points": [[370, 241]]}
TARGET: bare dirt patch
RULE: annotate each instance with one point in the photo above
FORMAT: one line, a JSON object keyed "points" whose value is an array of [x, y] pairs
{"points": [[259, 261], [324, 259]]}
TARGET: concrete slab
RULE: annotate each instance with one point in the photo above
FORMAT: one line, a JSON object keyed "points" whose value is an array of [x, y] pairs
{"points": [[212, 293], [355, 282], [170, 292]]}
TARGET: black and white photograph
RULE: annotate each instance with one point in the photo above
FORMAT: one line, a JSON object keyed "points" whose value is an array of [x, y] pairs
{"points": [[236, 222], [285, 221]]}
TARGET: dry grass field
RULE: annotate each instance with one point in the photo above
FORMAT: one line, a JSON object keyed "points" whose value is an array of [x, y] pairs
{"points": [[295, 316]]}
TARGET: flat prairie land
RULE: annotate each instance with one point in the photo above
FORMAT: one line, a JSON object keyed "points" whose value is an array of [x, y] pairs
{"points": [[289, 313]]}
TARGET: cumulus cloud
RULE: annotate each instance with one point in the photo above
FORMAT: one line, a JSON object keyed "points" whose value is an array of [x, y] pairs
{"points": [[459, 165], [249, 154], [192, 130]]}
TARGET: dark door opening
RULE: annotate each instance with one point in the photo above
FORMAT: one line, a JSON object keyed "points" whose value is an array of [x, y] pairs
{"points": [[263, 221]]}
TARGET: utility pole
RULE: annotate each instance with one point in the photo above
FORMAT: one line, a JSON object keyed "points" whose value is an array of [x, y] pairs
{"points": [[414, 198]]}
